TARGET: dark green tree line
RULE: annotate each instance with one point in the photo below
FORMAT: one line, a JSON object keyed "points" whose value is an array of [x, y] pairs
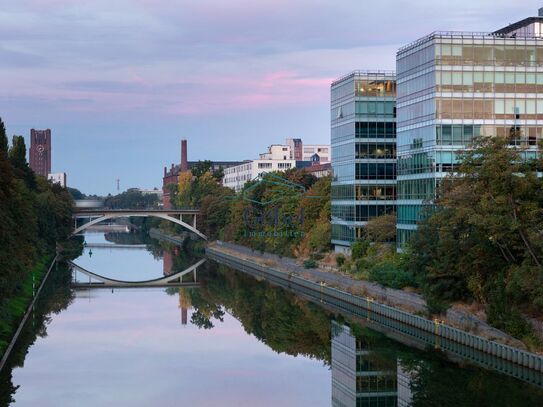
{"points": [[34, 216]]}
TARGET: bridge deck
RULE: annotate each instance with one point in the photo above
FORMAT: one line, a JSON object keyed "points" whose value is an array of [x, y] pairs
{"points": [[81, 285], [136, 211]]}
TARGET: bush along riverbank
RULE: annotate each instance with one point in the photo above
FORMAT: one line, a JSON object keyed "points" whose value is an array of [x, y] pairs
{"points": [[34, 216]]}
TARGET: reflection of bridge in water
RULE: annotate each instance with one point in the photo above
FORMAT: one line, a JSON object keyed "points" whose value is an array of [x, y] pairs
{"points": [[173, 280]]}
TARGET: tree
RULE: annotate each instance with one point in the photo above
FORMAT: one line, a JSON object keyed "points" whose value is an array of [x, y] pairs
{"points": [[201, 167], [483, 238], [382, 228], [17, 158]]}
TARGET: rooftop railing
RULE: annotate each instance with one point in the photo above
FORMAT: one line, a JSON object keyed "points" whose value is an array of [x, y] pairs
{"points": [[388, 74], [465, 34]]}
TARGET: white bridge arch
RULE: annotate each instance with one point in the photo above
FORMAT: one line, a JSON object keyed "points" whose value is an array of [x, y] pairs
{"points": [[173, 279], [169, 215]]}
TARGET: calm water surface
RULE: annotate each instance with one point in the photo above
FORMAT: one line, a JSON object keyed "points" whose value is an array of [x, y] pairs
{"points": [[232, 341]]}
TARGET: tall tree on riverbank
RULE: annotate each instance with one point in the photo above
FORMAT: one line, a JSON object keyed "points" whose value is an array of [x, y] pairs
{"points": [[485, 238]]}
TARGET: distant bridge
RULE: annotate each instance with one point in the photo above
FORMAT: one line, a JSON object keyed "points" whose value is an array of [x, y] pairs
{"points": [[174, 280], [173, 215], [114, 246]]}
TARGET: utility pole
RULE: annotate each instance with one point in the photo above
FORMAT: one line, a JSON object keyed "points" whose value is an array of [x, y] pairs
{"points": [[118, 184]]}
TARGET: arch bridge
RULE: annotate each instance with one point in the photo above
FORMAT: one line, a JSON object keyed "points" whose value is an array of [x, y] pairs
{"points": [[178, 216], [166, 281]]}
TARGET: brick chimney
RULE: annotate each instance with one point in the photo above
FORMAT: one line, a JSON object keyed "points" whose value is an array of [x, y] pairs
{"points": [[184, 161]]}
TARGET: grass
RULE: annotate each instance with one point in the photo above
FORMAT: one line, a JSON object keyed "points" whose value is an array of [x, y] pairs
{"points": [[15, 308]]}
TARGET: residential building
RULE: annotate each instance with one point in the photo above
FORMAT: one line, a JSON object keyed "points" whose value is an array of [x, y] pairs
{"points": [[40, 151], [295, 149], [236, 177], [319, 170], [322, 150], [360, 377], [363, 133], [58, 178], [278, 152], [454, 87]]}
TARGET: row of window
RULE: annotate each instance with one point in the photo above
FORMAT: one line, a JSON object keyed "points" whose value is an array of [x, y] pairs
{"points": [[416, 163], [375, 150], [416, 189], [375, 129], [375, 171], [342, 152], [472, 109], [359, 213], [410, 214], [363, 192], [343, 232], [365, 87], [496, 54], [375, 88], [267, 166], [376, 108], [363, 129], [458, 134], [341, 133]]}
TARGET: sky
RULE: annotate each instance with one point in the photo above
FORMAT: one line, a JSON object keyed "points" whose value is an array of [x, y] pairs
{"points": [[119, 83]]}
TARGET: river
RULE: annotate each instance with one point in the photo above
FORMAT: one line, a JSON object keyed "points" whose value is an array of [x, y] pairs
{"points": [[221, 338]]}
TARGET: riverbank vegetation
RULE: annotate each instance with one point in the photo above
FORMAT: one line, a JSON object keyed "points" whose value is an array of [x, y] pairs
{"points": [[284, 213], [34, 216], [483, 240]]}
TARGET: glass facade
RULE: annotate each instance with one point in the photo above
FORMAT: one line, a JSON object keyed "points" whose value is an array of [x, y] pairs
{"points": [[452, 88], [363, 132], [360, 378]]}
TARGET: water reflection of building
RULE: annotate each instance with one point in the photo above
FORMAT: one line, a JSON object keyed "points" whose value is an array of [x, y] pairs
{"points": [[184, 304], [405, 395], [360, 378], [167, 262]]}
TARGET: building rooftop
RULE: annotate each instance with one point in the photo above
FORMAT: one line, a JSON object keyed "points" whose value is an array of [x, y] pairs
{"points": [[519, 24], [505, 32], [372, 74]]}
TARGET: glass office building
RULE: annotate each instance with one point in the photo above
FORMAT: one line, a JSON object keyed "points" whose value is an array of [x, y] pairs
{"points": [[363, 133], [454, 86]]}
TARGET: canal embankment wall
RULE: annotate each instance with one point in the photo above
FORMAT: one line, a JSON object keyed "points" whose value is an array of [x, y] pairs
{"points": [[449, 337], [175, 239], [178, 240]]}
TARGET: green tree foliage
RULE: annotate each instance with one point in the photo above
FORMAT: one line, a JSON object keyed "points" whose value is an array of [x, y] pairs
{"points": [[483, 240], [34, 215], [17, 158], [302, 211], [381, 228], [201, 167], [132, 199], [76, 193]]}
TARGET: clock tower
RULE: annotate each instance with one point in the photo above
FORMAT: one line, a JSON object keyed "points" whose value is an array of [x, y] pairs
{"points": [[40, 151]]}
